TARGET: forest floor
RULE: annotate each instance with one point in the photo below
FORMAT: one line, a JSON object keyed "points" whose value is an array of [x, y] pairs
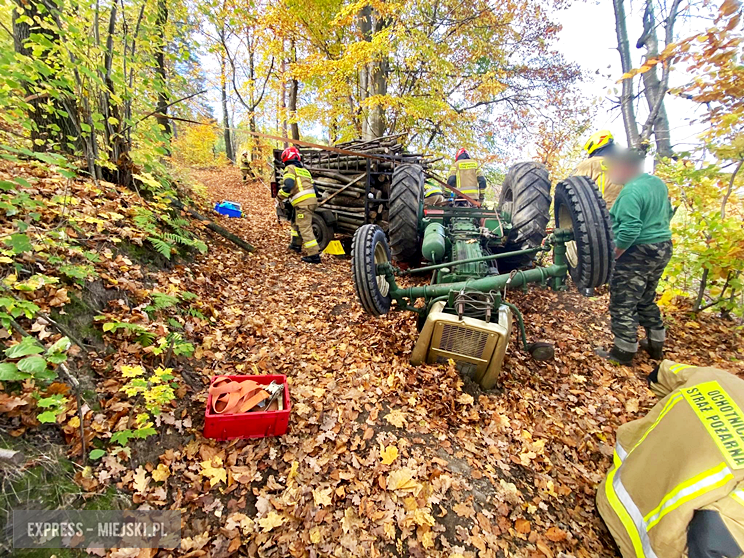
{"points": [[382, 458]]}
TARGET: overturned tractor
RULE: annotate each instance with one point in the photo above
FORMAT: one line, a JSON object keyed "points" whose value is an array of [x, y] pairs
{"points": [[474, 254]]}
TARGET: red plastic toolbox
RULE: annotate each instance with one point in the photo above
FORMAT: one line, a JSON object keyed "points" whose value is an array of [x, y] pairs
{"points": [[256, 424]]}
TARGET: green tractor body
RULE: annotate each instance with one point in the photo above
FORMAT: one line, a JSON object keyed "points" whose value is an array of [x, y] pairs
{"points": [[475, 254]]}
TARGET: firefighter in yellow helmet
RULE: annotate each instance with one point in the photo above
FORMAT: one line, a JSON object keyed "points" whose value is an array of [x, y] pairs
{"points": [[466, 176], [676, 486], [598, 147], [299, 190]]}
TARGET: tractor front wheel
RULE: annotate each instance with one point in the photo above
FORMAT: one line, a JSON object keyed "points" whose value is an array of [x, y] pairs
{"points": [[368, 249], [406, 195], [525, 198], [580, 208]]}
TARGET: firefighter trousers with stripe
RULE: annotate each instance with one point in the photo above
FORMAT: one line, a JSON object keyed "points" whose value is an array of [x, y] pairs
{"points": [[303, 226]]}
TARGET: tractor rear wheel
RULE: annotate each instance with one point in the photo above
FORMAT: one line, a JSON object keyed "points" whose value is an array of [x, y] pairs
{"points": [[525, 197], [368, 249], [579, 207], [406, 194]]}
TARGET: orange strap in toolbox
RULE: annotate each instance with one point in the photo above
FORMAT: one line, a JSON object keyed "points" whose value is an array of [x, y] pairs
{"points": [[230, 397]]}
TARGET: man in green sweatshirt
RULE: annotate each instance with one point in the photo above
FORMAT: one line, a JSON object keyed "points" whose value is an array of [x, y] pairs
{"points": [[643, 247]]}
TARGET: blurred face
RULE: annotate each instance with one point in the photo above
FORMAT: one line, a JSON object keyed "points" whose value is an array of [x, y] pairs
{"points": [[622, 172]]}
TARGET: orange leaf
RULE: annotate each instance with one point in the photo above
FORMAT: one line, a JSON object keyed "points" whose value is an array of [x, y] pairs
{"points": [[522, 526], [555, 534]]}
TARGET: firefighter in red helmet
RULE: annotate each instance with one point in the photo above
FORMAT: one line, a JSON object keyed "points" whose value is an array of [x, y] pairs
{"points": [[299, 190]]}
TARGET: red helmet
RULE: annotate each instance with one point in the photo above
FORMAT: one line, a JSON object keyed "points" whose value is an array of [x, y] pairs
{"points": [[290, 153], [460, 151]]}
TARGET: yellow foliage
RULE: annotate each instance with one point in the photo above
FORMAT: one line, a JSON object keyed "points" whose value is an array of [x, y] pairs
{"points": [[195, 145]]}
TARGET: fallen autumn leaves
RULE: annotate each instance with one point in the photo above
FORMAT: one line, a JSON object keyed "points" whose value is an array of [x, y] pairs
{"points": [[382, 458]]}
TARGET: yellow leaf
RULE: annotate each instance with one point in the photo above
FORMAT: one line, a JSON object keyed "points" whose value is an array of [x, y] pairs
{"points": [[465, 399], [315, 535], [74, 422], [389, 454], [322, 496], [271, 521], [396, 418], [427, 539], [140, 480], [293, 471], [389, 528], [422, 517], [214, 471], [402, 479], [161, 474]]}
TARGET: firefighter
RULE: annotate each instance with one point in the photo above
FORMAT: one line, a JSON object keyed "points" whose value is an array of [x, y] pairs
{"points": [[245, 165], [643, 247], [433, 194], [598, 148], [676, 485], [466, 176], [298, 189]]}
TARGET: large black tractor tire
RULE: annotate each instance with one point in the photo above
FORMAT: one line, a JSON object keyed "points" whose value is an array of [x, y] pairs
{"points": [[406, 194], [525, 197], [321, 230], [580, 207], [368, 249]]}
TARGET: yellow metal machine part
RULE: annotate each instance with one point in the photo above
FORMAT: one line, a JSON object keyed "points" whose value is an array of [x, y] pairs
{"points": [[476, 345]]}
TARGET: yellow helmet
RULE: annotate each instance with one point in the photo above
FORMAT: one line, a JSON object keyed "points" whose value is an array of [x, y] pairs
{"points": [[598, 140]]}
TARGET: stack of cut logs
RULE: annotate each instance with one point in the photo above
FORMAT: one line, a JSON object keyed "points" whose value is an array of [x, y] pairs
{"points": [[342, 179]]}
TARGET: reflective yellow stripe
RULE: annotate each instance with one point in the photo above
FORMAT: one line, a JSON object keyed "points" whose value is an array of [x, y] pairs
{"points": [[689, 490], [678, 368], [467, 164], [469, 192], [631, 527], [295, 233], [432, 192], [302, 196], [311, 243], [601, 182], [721, 417], [283, 194], [303, 172], [738, 495]]}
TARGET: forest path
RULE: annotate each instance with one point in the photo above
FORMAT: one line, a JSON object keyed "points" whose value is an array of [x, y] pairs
{"points": [[383, 458]]}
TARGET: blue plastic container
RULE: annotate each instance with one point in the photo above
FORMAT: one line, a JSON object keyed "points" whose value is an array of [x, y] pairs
{"points": [[231, 209]]}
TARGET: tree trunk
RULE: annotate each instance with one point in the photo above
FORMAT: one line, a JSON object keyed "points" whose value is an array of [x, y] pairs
{"points": [[654, 91], [365, 28], [283, 101], [161, 85], [225, 115], [293, 91], [626, 97], [53, 121]]}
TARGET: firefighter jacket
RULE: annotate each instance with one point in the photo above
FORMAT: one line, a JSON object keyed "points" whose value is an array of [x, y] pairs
{"points": [[298, 186], [684, 459], [466, 176], [431, 188], [596, 169], [244, 163]]}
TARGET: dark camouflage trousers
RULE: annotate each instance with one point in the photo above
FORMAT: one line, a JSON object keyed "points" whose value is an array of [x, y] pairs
{"points": [[633, 292]]}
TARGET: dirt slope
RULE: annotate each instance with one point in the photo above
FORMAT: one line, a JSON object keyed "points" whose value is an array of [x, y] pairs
{"points": [[383, 458]]}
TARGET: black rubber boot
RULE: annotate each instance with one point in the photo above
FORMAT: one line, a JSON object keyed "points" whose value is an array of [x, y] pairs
{"points": [[311, 259], [616, 356], [655, 349], [295, 248]]}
